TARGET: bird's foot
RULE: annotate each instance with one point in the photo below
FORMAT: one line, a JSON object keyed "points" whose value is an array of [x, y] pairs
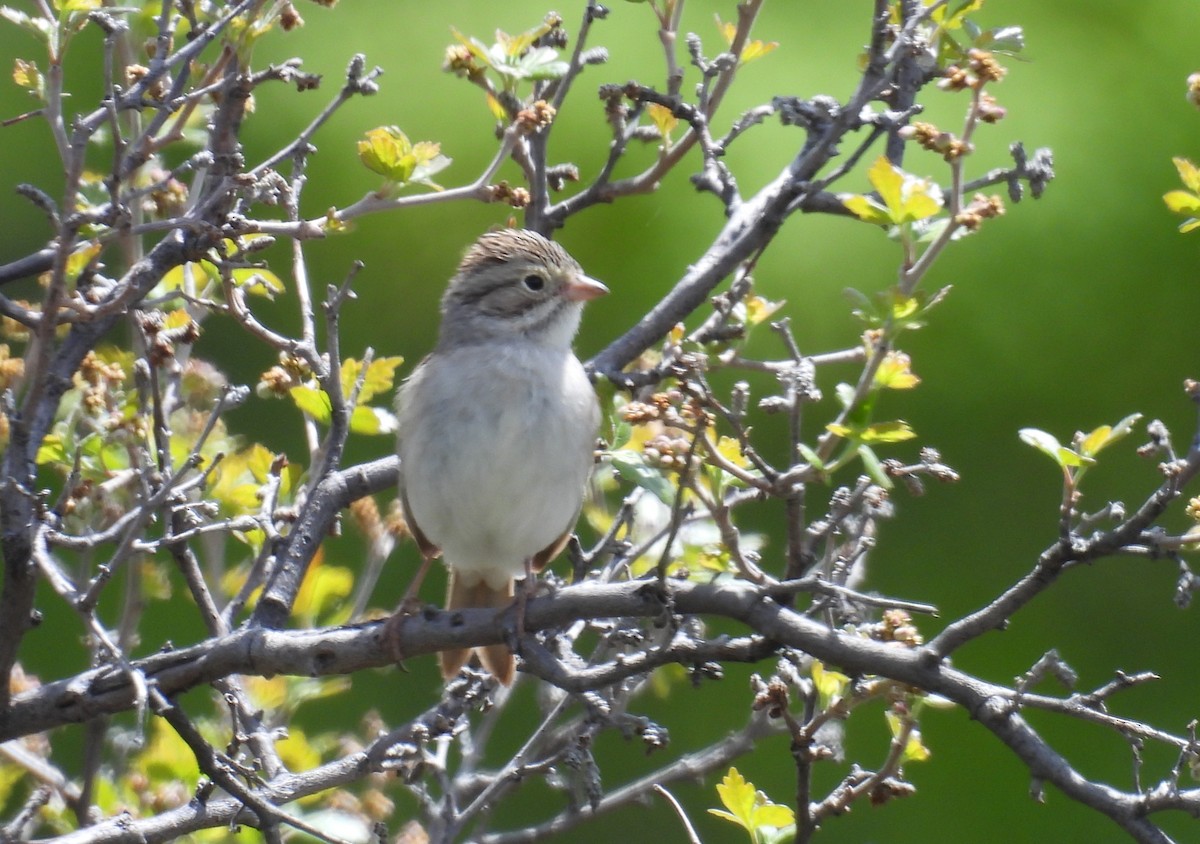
{"points": [[514, 632], [393, 628]]}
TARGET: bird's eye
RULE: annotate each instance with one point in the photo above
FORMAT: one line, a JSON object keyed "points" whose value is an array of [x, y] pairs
{"points": [[533, 282]]}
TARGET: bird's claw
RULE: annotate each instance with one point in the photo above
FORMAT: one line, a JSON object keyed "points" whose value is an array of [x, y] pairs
{"points": [[393, 628]]}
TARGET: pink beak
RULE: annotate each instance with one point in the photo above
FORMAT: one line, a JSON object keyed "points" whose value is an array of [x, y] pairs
{"points": [[582, 289]]}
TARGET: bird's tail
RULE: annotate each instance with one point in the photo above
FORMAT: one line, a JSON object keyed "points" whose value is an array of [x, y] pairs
{"points": [[469, 593]]}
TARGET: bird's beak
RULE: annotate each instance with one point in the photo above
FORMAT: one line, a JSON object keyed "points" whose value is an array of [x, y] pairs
{"points": [[581, 289]]}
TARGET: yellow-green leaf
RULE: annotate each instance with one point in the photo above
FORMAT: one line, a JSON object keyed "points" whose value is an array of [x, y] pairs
{"points": [[257, 282], [731, 450], [915, 749], [296, 751], [333, 223], [372, 420], [830, 685], [496, 107], [1106, 435], [1189, 173], [239, 478], [1049, 445], [727, 30], [895, 372], [905, 306], [387, 151], [1182, 202], [323, 591], [895, 431], [663, 120], [27, 75], [257, 460], [902, 198], [514, 45], [1095, 441], [757, 49], [189, 277], [267, 693], [312, 401], [52, 451], [867, 210], [888, 182], [953, 19], [759, 309], [167, 758], [753, 49], [81, 258], [474, 46], [177, 318], [737, 795], [748, 807], [773, 814], [380, 376]]}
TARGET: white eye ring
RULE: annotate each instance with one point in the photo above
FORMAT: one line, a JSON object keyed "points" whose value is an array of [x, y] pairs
{"points": [[533, 282]]}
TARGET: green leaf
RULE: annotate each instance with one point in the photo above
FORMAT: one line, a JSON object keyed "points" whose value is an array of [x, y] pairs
{"points": [[542, 63], [1003, 39], [874, 467], [632, 467], [37, 25], [810, 457]]}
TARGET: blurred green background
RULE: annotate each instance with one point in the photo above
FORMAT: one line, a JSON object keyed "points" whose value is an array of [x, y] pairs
{"points": [[1066, 313]]}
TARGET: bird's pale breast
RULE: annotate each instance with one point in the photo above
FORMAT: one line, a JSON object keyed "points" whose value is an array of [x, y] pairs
{"points": [[495, 459]]}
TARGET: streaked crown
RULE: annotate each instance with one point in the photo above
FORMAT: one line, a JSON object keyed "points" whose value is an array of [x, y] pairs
{"points": [[515, 284]]}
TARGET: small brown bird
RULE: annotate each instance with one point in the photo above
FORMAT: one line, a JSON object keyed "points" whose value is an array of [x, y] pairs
{"points": [[498, 425]]}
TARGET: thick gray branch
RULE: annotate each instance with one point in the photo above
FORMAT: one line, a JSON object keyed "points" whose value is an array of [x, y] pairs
{"points": [[348, 649], [332, 494]]}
